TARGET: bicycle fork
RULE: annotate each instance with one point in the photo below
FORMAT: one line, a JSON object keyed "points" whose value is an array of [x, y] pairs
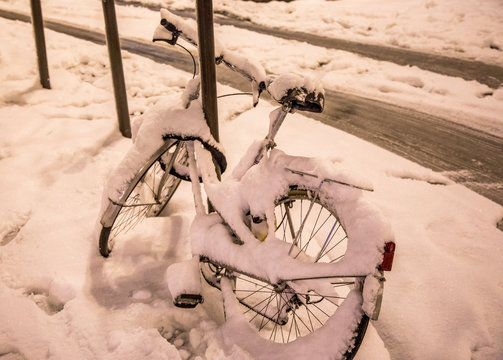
{"points": [[184, 280]]}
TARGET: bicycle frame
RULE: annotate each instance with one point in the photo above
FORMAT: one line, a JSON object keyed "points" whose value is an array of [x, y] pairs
{"points": [[241, 240], [234, 232], [225, 232]]}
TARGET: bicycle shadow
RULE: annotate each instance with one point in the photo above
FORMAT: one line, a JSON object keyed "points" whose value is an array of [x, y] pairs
{"points": [[135, 270]]}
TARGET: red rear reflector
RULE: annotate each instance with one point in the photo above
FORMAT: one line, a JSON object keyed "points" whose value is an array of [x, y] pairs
{"points": [[389, 253]]}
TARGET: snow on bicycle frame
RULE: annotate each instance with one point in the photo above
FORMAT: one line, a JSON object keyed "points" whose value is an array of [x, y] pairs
{"points": [[239, 240], [294, 93]]}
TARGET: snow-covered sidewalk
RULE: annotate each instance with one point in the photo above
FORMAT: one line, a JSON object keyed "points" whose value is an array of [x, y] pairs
{"points": [[59, 299]]}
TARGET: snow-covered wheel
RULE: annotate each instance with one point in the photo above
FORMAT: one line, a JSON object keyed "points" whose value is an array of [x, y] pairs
{"points": [[279, 312], [282, 313], [146, 194]]}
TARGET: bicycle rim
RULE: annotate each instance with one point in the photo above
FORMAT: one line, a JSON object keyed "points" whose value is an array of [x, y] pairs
{"points": [[316, 234], [147, 195]]}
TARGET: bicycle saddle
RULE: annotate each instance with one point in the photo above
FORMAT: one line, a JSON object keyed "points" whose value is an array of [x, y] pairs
{"points": [[299, 93]]}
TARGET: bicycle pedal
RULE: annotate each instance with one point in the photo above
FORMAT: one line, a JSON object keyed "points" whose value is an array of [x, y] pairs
{"points": [[188, 301]]}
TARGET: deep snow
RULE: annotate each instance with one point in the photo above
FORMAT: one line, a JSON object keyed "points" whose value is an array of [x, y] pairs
{"points": [[59, 299]]}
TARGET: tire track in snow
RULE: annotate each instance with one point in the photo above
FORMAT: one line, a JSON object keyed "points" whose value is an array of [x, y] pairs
{"points": [[468, 156]]}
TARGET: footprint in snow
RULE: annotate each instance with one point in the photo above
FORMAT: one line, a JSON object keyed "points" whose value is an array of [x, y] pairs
{"points": [[188, 342], [11, 354], [53, 299], [12, 225], [41, 298]]}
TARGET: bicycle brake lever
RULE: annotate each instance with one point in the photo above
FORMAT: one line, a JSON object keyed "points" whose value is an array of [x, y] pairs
{"points": [[160, 32]]}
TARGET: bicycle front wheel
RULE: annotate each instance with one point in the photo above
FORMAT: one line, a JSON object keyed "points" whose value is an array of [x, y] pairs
{"points": [[146, 194]]}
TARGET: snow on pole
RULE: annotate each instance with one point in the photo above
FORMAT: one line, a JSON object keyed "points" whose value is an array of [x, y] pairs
{"points": [[38, 31], [114, 52]]}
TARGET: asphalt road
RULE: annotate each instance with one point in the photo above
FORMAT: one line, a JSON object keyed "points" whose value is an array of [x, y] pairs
{"points": [[468, 156]]}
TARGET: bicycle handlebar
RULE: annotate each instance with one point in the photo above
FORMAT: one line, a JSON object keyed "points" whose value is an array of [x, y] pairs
{"points": [[290, 90]]}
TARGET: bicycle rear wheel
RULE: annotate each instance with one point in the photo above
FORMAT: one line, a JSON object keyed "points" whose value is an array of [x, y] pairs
{"points": [[146, 195], [315, 234]]}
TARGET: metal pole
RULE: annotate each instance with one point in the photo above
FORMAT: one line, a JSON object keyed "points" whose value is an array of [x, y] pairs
{"points": [[207, 71], [38, 31], [206, 44], [114, 52]]}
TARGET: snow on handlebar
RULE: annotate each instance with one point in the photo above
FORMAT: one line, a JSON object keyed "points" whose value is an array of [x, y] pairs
{"points": [[297, 92], [172, 26], [292, 91]]}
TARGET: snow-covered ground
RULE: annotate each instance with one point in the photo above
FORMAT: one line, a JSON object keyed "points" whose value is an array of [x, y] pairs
{"points": [[464, 29], [59, 299]]}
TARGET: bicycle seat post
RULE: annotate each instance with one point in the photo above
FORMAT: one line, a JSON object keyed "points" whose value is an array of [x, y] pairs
{"points": [[277, 117]]}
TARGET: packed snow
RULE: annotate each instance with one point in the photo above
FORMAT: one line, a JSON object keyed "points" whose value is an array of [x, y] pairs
{"points": [[60, 299]]}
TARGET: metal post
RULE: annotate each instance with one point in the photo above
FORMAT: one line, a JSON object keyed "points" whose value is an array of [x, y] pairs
{"points": [[38, 31], [114, 52], [206, 44], [207, 71]]}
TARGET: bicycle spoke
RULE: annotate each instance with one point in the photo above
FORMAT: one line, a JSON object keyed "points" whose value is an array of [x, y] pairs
{"points": [[310, 312], [247, 279], [252, 307], [300, 242], [302, 323], [280, 304], [309, 318], [283, 217], [299, 231], [337, 258], [316, 223], [333, 247], [276, 325], [291, 326], [129, 219], [252, 292], [261, 326], [154, 173], [294, 326], [304, 249], [330, 301], [276, 316], [282, 223], [257, 312]]}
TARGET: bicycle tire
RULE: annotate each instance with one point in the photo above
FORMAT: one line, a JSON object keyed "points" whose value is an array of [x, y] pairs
{"points": [[257, 305], [123, 215]]}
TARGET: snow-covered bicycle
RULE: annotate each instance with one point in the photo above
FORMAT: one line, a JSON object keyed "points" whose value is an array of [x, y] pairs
{"points": [[291, 243]]}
